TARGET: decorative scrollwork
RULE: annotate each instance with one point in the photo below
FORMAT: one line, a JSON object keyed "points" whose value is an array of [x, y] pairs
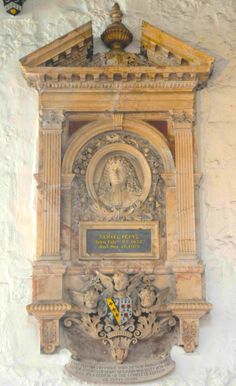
{"points": [[190, 333], [131, 307]]}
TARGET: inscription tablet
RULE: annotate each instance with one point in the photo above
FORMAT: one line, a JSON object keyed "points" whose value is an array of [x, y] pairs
{"points": [[116, 239]]}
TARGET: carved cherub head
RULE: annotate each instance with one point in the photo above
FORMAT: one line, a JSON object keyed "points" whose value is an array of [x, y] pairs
{"points": [[121, 281], [147, 296], [91, 298], [119, 354]]}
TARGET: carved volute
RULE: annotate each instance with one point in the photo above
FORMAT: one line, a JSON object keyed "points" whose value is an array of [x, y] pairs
{"points": [[117, 275]]}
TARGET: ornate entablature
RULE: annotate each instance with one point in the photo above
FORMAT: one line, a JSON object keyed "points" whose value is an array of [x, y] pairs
{"points": [[118, 269]]}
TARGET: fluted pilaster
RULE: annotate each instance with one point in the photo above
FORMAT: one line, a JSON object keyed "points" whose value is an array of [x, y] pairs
{"points": [[185, 187], [51, 129]]}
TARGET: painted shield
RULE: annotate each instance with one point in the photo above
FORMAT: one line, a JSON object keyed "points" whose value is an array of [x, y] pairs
{"points": [[119, 309]]}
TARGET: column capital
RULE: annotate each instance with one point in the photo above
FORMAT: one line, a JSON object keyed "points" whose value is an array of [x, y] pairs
{"points": [[51, 120], [183, 119]]}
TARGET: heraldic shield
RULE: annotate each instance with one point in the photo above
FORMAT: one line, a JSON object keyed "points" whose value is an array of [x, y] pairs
{"points": [[119, 309]]}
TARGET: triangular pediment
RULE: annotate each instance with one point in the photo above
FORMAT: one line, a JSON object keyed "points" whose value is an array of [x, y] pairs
{"points": [[75, 46], [163, 49], [158, 48], [69, 60]]}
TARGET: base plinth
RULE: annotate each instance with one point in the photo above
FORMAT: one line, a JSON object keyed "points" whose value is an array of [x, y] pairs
{"points": [[111, 373]]}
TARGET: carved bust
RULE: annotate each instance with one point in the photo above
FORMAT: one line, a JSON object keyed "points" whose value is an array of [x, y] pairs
{"points": [[119, 185]]}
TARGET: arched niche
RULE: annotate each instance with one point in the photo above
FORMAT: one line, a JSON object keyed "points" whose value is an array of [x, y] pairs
{"points": [[158, 142], [134, 126]]}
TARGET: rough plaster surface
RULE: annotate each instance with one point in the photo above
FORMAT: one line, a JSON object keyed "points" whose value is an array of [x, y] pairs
{"points": [[209, 25]]}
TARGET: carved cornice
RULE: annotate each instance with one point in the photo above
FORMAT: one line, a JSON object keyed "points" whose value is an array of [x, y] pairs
{"points": [[48, 310], [190, 309], [72, 82]]}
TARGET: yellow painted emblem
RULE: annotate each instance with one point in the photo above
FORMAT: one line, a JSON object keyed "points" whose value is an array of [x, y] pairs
{"points": [[113, 309]]}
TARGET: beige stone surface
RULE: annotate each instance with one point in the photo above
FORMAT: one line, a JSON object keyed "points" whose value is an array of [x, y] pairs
{"points": [[209, 27], [118, 178]]}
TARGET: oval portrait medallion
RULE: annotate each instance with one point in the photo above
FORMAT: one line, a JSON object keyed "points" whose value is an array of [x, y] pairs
{"points": [[118, 176]]}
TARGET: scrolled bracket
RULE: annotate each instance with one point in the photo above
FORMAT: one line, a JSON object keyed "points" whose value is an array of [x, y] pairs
{"points": [[49, 336], [189, 315], [48, 315], [190, 333]]}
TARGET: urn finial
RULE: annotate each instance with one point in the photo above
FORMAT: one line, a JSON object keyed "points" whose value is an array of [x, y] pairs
{"points": [[116, 36], [116, 14]]}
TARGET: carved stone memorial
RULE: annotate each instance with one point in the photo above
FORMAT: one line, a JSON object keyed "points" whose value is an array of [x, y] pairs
{"points": [[118, 278]]}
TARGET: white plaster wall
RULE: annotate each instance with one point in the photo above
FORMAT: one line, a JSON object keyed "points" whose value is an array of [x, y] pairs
{"points": [[209, 25]]}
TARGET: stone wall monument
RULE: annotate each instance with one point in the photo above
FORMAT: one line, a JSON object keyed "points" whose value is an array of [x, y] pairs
{"points": [[118, 278]]}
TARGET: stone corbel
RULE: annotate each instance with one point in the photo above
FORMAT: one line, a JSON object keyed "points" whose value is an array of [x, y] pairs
{"points": [[48, 314], [189, 315]]}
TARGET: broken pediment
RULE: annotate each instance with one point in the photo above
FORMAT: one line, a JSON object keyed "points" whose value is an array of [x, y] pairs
{"points": [[162, 56], [163, 49], [74, 46]]}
